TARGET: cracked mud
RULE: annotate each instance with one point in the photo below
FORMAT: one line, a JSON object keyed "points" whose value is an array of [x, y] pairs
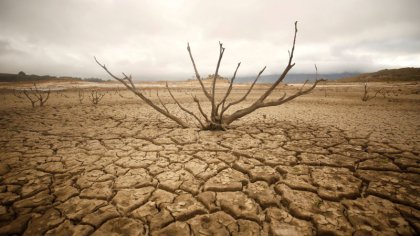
{"points": [[124, 170]]}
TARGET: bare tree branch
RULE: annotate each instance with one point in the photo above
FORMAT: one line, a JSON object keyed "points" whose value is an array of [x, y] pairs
{"points": [[222, 102], [289, 66], [299, 93], [130, 80], [197, 75], [33, 101], [163, 105], [213, 87], [243, 112], [141, 96], [306, 81], [40, 96], [183, 108], [246, 94], [259, 103], [200, 109], [42, 99], [275, 102]]}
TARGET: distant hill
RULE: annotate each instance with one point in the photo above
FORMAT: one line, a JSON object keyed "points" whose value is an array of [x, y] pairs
{"points": [[403, 74], [209, 79], [22, 77], [294, 78]]}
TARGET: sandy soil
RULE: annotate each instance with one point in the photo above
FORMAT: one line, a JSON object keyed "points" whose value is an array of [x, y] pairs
{"points": [[323, 164]]}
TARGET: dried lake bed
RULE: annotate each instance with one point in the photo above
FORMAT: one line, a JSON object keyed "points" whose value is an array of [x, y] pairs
{"points": [[325, 163]]}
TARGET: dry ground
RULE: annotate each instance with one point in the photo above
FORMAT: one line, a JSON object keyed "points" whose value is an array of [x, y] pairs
{"points": [[326, 164]]}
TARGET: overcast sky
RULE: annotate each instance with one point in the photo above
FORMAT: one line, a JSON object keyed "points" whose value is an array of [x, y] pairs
{"points": [[148, 39]]}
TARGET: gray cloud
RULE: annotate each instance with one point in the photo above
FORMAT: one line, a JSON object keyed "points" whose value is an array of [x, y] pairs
{"points": [[148, 38]]}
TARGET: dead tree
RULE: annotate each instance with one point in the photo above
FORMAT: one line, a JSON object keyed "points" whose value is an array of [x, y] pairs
{"points": [[366, 97], [96, 96], [218, 119], [35, 95]]}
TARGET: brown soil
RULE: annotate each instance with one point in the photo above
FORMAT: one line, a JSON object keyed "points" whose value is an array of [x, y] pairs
{"points": [[323, 164]]}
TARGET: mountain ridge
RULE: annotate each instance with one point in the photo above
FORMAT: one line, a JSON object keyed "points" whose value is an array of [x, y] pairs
{"points": [[401, 74], [386, 75]]}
